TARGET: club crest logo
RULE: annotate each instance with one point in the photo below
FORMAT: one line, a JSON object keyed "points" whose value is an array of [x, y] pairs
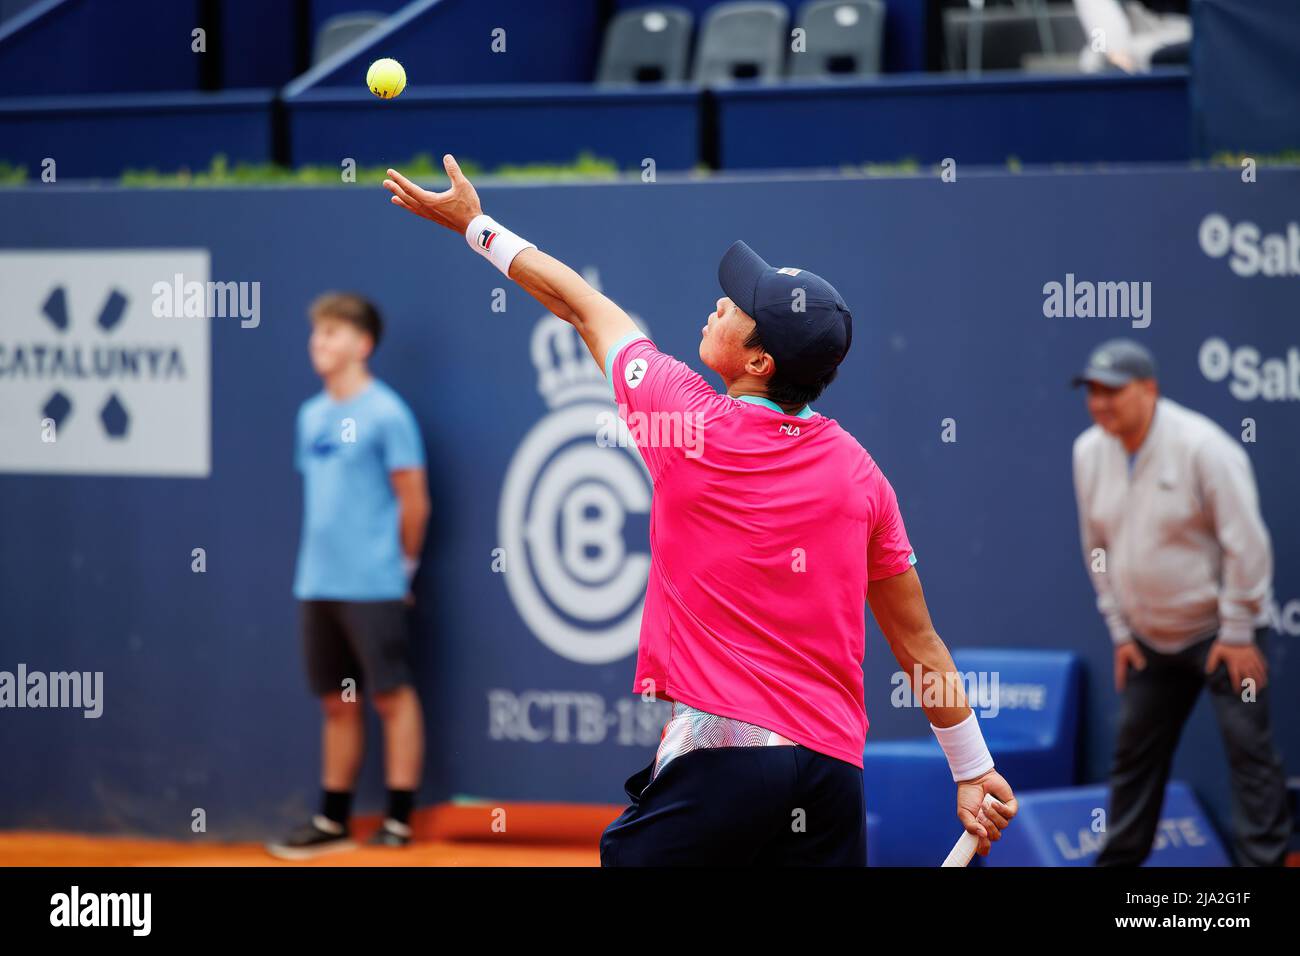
{"points": [[571, 571]]}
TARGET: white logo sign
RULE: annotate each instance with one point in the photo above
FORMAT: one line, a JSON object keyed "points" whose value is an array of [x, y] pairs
{"points": [[634, 372], [1253, 375], [1253, 252], [564, 504], [1285, 618], [91, 381]]}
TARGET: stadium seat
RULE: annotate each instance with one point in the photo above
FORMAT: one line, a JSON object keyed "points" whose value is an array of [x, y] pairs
{"points": [[843, 38], [647, 45], [1030, 720], [1003, 38], [742, 41], [337, 32], [1064, 828]]}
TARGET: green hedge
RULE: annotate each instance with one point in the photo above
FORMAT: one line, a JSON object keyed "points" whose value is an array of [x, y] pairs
{"points": [[587, 167], [422, 168]]}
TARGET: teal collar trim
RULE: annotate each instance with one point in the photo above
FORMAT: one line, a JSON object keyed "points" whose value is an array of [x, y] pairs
{"points": [[805, 412], [612, 354]]}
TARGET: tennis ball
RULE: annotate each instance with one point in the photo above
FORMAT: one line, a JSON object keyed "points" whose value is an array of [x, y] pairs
{"points": [[386, 78]]}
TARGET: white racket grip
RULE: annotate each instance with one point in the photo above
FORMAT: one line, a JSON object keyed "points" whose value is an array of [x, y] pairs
{"points": [[964, 849]]}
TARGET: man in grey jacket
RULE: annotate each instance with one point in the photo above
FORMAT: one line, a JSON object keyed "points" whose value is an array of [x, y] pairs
{"points": [[1182, 566]]}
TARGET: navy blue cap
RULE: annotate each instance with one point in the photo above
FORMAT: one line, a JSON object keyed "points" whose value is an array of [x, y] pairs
{"points": [[806, 335], [1116, 363]]}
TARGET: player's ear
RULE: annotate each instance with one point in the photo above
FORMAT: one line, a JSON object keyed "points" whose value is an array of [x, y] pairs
{"points": [[760, 364], [757, 361]]}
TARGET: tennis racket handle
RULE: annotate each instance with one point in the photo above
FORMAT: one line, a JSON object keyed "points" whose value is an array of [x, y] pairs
{"points": [[964, 849]]}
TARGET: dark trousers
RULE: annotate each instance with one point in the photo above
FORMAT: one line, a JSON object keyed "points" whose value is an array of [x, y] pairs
{"points": [[742, 806], [1156, 703]]}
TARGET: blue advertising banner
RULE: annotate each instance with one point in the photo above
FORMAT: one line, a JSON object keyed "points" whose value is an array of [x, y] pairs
{"points": [[1067, 828], [164, 333]]}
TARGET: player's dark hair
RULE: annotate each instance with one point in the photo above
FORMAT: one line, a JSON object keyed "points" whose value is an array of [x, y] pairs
{"points": [[787, 393], [351, 308]]}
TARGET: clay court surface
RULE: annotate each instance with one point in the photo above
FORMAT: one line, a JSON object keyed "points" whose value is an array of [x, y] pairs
{"points": [[535, 835]]}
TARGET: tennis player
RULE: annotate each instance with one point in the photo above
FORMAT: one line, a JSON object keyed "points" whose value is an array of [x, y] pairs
{"points": [[765, 538]]}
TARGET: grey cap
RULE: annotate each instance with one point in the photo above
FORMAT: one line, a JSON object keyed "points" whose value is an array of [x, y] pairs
{"points": [[1117, 363]]}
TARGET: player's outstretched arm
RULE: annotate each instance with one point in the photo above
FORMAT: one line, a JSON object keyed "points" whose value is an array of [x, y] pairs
{"points": [[598, 320], [898, 604]]}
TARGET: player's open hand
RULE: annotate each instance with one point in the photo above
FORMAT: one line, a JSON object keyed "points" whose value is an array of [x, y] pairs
{"points": [[986, 823], [453, 208]]}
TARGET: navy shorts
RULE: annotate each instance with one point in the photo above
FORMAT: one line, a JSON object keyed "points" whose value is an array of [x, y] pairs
{"points": [[742, 806], [362, 640]]}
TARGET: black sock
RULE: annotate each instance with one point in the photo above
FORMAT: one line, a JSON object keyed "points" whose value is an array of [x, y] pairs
{"points": [[336, 805], [399, 805]]}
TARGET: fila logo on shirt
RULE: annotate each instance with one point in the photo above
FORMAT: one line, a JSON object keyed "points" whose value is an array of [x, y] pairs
{"points": [[634, 372], [485, 239], [788, 429]]}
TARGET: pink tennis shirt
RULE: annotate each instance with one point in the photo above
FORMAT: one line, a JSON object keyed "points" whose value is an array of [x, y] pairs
{"points": [[765, 528]]}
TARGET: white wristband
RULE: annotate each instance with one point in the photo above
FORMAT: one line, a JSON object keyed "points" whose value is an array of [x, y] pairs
{"points": [[963, 745], [495, 242], [410, 566]]}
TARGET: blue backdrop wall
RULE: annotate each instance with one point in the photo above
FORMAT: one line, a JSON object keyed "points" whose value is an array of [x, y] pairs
{"points": [[77, 46], [527, 692], [1243, 61]]}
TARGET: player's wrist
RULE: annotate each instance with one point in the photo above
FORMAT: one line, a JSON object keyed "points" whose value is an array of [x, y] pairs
{"points": [[963, 744], [495, 242]]}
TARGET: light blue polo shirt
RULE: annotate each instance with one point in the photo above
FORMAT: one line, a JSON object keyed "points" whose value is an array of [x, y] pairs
{"points": [[351, 545]]}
